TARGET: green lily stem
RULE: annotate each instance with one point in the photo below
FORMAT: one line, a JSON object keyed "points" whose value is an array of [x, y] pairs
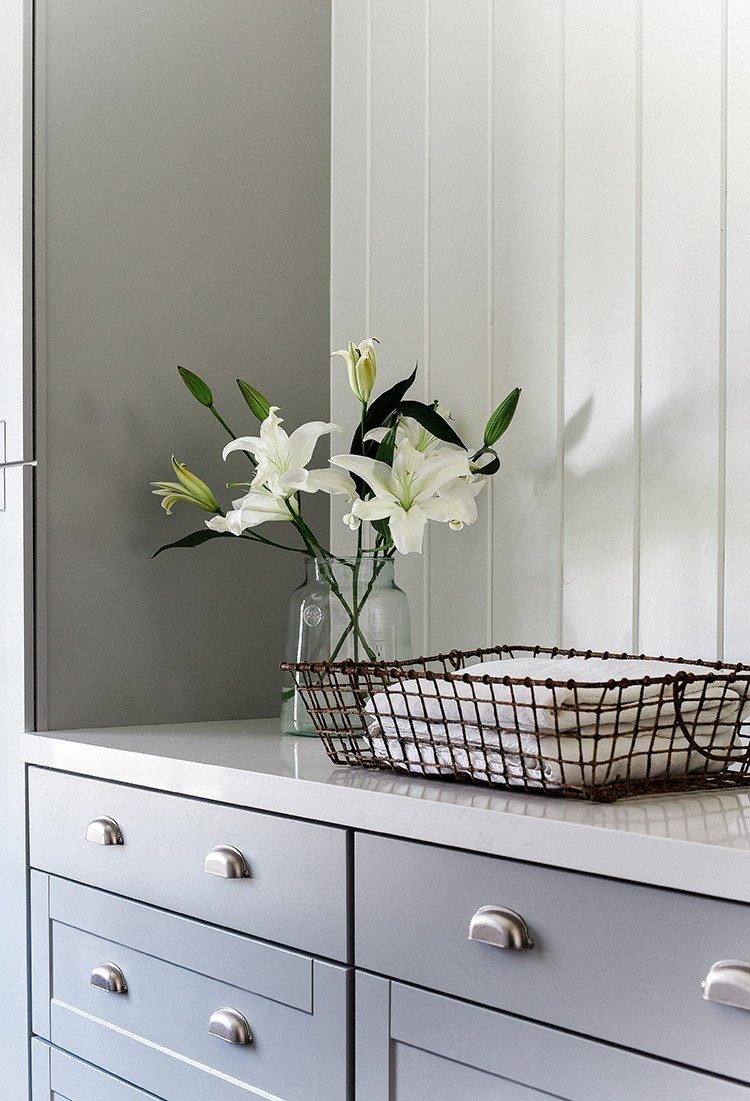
{"points": [[271, 543], [355, 583], [348, 630], [353, 618], [226, 427]]}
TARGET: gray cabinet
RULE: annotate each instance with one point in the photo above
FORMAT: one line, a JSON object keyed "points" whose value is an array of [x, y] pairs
{"points": [[58, 1076], [414, 1045], [180, 1008], [164, 926], [292, 882], [616, 960], [175, 1006]]}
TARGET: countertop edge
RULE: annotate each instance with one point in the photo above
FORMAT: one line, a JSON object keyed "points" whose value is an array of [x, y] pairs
{"points": [[674, 863]]}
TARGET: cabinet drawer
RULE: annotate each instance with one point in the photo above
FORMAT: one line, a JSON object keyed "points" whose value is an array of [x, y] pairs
{"points": [[170, 993], [609, 959], [57, 1076], [296, 892], [413, 1045]]}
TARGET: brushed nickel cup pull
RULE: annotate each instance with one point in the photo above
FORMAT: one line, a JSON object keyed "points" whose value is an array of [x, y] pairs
{"points": [[499, 927], [227, 862], [109, 977], [104, 831], [728, 982], [229, 1024]]}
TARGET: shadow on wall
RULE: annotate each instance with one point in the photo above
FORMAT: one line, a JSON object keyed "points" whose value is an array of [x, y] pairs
{"points": [[666, 514]]}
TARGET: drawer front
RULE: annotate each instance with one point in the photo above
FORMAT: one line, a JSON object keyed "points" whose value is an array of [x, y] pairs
{"points": [[183, 1009], [609, 959], [296, 892], [57, 1076], [413, 1045]]}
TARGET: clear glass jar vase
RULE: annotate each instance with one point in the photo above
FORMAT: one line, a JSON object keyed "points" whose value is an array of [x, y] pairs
{"points": [[345, 608]]}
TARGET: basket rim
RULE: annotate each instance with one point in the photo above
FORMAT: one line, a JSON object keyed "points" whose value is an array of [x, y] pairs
{"points": [[404, 669]]}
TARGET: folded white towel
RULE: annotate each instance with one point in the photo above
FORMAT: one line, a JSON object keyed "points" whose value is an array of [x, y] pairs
{"points": [[435, 705], [536, 760], [556, 736]]}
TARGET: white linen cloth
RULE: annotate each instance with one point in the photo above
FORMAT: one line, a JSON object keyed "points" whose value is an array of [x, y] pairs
{"points": [[577, 736]]}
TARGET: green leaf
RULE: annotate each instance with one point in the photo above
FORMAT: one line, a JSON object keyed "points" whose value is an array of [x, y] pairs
{"points": [[197, 387], [501, 418], [432, 421], [489, 468], [195, 539], [387, 446], [382, 527], [258, 404], [379, 411]]}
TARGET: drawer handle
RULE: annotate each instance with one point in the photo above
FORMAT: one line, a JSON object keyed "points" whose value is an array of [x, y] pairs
{"points": [[109, 977], [229, 1024], [104, 831], [227, 862], [499, 927], [728, 982]]}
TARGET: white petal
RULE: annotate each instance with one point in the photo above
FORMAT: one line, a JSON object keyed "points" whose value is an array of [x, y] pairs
{"points": [[345, 355], [375, 509], [407, 529], [302, 441], [253, 444], [377, 434], [440, 467], [330, 481], [217, 523], [442, 509], [378, 476]]}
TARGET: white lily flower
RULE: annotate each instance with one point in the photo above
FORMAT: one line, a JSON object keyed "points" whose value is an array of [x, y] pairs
{"points": [[361, 365], [281, 458], [259, 506], [407, 494]]}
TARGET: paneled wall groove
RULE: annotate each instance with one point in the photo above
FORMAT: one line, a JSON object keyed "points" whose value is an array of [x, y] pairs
{"points": [[557, 198]]}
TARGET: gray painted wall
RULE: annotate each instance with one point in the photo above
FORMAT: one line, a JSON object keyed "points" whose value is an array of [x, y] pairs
{"points": [[184, 213]]}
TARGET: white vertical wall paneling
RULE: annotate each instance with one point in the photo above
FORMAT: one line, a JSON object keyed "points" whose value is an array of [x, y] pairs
{"points": [[682, 42], [399, 34], [600, 189], [608, 280], [737, 575], [350, 245], [526, 248], [458, 185]]}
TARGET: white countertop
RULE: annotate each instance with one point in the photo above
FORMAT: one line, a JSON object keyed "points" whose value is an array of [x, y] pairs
{"points": [[696, 842]]}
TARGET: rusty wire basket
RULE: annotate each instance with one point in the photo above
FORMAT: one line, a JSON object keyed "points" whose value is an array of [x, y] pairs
{"points": [[598, 737]]}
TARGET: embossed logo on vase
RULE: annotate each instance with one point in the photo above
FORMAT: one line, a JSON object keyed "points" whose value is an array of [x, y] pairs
{"points": [[312, 615]]}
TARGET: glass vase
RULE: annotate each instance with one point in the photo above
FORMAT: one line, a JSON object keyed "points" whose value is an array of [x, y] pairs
{"points": [[345, 608]]}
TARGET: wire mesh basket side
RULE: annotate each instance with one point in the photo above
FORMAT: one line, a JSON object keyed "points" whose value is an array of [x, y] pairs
{"points": [[600, 740]]}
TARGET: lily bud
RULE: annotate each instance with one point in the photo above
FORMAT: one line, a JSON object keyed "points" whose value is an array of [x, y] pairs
{"points": [[189, 489], [361, 365]]}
